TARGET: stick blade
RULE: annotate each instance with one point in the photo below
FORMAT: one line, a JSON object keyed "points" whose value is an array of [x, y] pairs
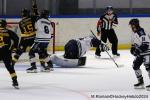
{"points": [[120, 65]]}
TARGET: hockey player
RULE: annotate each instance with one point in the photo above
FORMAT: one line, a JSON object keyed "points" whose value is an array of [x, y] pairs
{"points": [[43, 36], [75, 50], [141, 50], [105, 29], [27, 28], [5, 49]]}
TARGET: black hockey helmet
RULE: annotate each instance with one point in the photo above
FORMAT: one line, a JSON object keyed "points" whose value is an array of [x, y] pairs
{"points": [[3, 23], [44, 14], [135, 25], [25, 12], [109, 8], [134, 22]]}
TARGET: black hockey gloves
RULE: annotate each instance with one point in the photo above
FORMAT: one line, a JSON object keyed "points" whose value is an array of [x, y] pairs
{"points": [[104, 47], [135, 51]]}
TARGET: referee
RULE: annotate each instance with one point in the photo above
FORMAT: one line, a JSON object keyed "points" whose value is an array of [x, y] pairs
{"points": [[104, 27]]}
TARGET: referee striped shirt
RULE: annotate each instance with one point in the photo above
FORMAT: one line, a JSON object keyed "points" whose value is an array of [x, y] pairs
{"points": [[107, 21]]}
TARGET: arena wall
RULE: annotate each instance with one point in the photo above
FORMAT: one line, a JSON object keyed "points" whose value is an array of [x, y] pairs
{"points": [[70, 28]]}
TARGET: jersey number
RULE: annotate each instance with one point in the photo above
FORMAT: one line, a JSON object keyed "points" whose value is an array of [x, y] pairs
{"points": [[46, 29], [28, 29], [1, 41]]}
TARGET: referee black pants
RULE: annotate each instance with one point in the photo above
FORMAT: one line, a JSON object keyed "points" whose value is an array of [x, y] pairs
{"points": [[112, 37]]}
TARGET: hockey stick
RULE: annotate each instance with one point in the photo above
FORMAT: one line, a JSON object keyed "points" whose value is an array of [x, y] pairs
{"points": [[34, 5], [107, 52], [112, 59], [34, 2]]}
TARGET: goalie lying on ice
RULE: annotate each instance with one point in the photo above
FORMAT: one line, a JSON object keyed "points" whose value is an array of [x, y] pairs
{"points": [[75, 50]]}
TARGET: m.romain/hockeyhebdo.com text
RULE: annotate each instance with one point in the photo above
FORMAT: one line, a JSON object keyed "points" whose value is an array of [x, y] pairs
{"points": [[120, 96]]}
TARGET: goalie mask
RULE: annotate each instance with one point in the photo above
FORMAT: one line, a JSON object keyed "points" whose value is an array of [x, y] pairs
{"points": [[3, 23]]}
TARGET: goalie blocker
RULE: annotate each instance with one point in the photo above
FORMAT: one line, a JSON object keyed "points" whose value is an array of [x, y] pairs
{"points": [[75, 50]]}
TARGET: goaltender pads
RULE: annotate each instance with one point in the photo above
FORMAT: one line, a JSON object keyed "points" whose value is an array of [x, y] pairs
{"points": [[68, 63]]}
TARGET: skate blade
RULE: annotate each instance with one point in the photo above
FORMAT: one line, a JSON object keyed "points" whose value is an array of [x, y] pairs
{"points": [[120, 65], [115, 57], [16, 87], [97, 57], [148, 89], [45, 70], [51, 69], [33, 71], [139, 87]]}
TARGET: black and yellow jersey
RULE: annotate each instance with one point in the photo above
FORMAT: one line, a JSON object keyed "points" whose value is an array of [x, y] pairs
{"points": [[6, 38], [27, 28]]}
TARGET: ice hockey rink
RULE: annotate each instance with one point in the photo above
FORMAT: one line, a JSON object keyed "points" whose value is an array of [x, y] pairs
{"points": [[98, 78]]}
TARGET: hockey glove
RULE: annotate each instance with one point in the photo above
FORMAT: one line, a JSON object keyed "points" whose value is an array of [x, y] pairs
{"points": [[135, 51], [144, 47], [104, 47], [132, 50]]}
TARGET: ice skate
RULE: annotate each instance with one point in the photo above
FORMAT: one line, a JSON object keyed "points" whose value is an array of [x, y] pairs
{"points": [[116, 55], [32, 70], [140, 84], [15, 84], [50, 66], [97, 56], [45, 69], [148, 88]]}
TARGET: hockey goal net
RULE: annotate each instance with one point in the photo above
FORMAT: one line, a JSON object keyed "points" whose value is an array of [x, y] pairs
{"points": [[15, 28]]}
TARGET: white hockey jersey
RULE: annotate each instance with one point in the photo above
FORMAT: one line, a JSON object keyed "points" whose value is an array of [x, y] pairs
{"points": [[43, 30], [139, 39], [84, 44]]}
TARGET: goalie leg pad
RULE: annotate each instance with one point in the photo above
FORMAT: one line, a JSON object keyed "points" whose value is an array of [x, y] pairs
{"points": [[63, 62]]}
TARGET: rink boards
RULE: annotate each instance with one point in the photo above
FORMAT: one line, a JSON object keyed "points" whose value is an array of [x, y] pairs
{"points": [[79, 26]]}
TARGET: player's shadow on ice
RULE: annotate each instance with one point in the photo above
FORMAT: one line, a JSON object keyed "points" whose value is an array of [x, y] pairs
{"points": [[105, 58], [68, 67], [108, 58], [24, 67], [86, 67], [100, 68]]}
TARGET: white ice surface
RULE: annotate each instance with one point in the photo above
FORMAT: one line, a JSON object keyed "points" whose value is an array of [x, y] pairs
{"points": [[98, 77]]}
